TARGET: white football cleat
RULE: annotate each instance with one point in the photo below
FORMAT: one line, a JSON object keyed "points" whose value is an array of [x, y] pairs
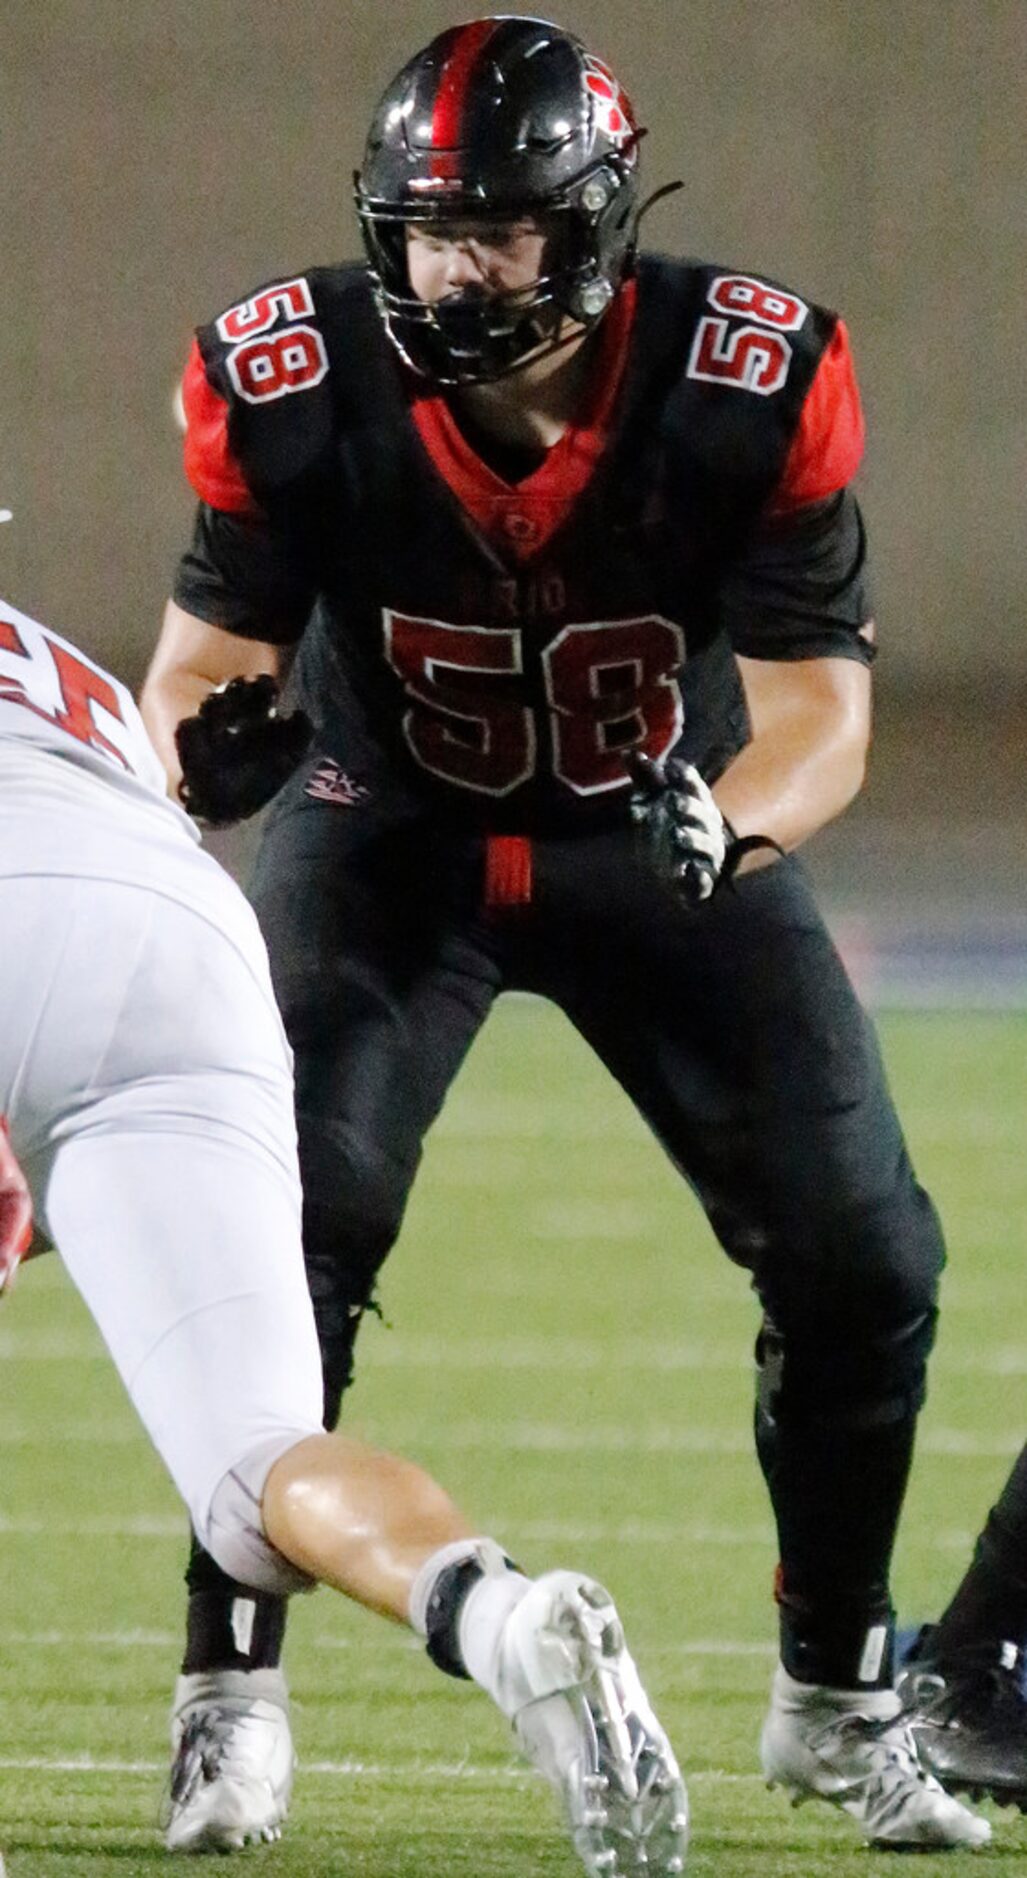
{"points": [[821, 1744], [587, 1725], [233, 1761]]}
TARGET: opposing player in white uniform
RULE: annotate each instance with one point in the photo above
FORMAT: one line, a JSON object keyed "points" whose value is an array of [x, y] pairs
{"points": [[146, 1086]]}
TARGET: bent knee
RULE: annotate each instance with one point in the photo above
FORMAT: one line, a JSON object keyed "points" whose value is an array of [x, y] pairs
{"points": [[849, 1331], [231, 1527], [891, 1258], [355, 1188], [877, 1264]]}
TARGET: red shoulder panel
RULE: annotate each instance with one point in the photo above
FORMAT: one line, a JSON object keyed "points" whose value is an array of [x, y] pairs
{"points": [[828, 446], [210, 462]]}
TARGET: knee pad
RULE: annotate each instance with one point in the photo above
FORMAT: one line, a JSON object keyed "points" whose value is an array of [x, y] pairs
{"points": [[354, 1188], [232, 1530], [850, 1323]]}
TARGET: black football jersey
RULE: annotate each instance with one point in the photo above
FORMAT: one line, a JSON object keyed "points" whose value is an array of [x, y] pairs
{"points": [[502, 644]]}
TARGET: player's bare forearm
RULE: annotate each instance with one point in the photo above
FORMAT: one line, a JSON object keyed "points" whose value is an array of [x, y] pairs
{"points": [[192, 658], [807, 757]]}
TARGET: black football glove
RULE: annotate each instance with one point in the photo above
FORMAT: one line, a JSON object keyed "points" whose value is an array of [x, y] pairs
{"points": [[237, 751], [684, 833]]}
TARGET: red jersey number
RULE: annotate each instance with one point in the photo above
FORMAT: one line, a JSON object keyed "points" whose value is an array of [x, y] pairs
{"points": [[744, 356], [749, 357], [292, 360], [262, 364], [290, 298], [752, 299], [455, 729], [79, 689], [610, 687]]}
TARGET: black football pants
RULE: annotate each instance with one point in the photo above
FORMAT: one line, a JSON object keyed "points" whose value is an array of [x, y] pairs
{"points": [[735, 1032]]}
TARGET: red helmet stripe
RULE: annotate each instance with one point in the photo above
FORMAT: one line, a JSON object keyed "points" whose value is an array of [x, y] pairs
{"points": [[455, 80]]}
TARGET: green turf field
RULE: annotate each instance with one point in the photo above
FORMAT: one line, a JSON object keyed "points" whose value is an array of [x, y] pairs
{"points": [[568, 1350]]}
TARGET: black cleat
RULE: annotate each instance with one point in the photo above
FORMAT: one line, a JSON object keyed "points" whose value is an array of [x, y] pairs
{"points": [[967, 1711]]}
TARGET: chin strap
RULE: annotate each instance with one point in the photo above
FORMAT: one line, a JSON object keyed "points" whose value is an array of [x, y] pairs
{"points": [[666, 189]]}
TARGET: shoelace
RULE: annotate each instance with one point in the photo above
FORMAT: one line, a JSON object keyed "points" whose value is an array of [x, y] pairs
{"points": [[889, 1732], [889, 1738], [893, 1768], [200, 1755]]}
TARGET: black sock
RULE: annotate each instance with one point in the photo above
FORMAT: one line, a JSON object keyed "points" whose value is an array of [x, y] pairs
{"points": [[838, 1644], [836, 1493], [228, 1626], [233, 1628]]}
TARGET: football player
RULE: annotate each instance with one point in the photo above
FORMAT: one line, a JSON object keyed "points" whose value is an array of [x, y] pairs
{"points": [[146, 1089], [558, 540]]}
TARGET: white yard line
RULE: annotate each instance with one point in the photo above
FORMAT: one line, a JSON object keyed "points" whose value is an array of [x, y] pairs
{"points": [[346, 1769]]}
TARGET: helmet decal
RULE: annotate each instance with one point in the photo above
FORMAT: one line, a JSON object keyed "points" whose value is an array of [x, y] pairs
{"points": [[454, 85], [610, 101]]}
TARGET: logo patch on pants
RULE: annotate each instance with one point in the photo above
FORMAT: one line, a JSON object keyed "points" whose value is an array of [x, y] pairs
{"points": [[329, 783]]}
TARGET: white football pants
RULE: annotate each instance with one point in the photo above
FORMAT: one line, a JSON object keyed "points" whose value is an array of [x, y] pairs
{"points": [[147, 1082]]}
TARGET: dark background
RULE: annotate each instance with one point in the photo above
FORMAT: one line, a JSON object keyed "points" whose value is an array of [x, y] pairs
{"points": [[161, 156]]}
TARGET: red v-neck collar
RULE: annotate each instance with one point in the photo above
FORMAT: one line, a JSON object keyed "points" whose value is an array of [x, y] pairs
{"points": [[521, 518]]}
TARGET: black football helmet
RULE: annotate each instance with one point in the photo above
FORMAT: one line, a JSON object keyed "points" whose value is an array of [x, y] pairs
{"points": [[498, 120]]}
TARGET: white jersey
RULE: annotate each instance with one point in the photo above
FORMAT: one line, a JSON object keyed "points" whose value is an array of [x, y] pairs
{"points": [[82, 789], [145, 1078]]}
